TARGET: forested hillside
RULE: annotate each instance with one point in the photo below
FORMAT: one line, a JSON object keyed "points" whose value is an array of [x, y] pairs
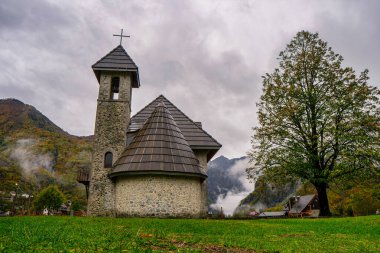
{"points": [[347, 197], [34, 153]]}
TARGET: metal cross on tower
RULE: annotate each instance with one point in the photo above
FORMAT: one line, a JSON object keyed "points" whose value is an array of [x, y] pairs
{"points": [[121, 36]]}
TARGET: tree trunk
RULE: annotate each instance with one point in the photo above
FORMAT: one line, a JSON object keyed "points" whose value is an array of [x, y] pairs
{"points": [[323, 200]]}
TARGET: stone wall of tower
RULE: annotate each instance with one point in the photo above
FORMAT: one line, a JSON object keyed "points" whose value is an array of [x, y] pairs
{"points": [[202, 157], [112, 120]]}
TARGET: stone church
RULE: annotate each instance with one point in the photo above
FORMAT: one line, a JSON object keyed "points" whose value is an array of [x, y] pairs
{"points": [[151, 164]]}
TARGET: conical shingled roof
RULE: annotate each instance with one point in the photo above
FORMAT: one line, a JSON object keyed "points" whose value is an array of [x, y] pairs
{"points": [[197, 137], [117, 60], [158, 148]]}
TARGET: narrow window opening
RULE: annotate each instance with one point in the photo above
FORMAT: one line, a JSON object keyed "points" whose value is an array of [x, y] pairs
{"points": [[108, 160], [115, 88]]}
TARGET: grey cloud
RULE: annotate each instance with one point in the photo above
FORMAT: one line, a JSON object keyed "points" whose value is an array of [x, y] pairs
{"points": [[355, 35], [18, 14], [207, 57]]}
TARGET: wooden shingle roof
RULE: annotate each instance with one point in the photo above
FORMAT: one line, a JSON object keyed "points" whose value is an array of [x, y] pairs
{"points": [[118, 60], [158, 148], [192, 131]]}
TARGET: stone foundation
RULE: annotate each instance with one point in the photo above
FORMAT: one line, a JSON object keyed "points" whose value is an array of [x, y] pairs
{"points": [[202, 158], [159, 196]]}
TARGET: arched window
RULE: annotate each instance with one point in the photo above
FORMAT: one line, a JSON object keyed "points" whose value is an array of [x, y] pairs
{"points": [[108, 160], [115, 81]]}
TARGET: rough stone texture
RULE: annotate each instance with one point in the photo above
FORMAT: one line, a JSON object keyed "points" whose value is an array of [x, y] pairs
{"points": [[202, 158], [159, 196], [112, 120]]}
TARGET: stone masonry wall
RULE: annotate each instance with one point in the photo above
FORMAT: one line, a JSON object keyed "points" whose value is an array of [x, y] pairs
{"points": [[158, 196], [202, 157], [112, 119]]}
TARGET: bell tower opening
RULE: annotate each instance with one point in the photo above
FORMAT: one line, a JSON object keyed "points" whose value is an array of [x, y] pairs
{"points": [[115, 83]]}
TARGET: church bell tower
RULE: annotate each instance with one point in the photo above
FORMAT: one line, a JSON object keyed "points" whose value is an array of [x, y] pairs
{"points": [[117, 74]]}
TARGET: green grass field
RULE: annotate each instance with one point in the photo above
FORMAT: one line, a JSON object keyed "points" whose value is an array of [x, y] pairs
{"points": [[75, 234]]}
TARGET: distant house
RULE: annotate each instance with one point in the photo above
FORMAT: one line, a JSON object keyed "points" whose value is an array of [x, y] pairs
{"points": [[280, 214], [304, 206]]}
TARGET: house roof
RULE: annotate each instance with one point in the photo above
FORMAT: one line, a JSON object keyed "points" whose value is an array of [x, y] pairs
{"points": [[117, 60], [192, 131], [302, 203], [158, 148]]}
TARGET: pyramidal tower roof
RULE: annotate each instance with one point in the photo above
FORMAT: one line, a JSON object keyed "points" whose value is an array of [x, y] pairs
{"points": [[118, 60], [158, 148]]}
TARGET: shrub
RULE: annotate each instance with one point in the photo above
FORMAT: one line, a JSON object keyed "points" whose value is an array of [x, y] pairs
{"points": [[50, 197]]}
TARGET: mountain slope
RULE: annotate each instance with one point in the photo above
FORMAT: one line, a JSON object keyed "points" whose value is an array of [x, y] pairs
{"points": [[267, 195], [34, 152], [15, 115]]}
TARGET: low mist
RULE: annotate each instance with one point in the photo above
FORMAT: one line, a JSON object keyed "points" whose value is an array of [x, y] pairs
{"points": [[232, 199], [29, 160]]}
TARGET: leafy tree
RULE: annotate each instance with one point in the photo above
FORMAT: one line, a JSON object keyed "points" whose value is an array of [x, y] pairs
{"points": [[50, 197], [354, 197], [319, 121], [76, 205]]}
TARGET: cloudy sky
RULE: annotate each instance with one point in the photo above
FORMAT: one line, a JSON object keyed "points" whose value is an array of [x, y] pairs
{"points": [[207, 57]]}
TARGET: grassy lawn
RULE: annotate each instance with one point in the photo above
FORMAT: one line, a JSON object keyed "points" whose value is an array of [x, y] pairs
{"points": [[75, 234]]}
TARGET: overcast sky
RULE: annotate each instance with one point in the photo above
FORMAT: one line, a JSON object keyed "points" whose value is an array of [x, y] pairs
{"points": [[207, 57]]}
